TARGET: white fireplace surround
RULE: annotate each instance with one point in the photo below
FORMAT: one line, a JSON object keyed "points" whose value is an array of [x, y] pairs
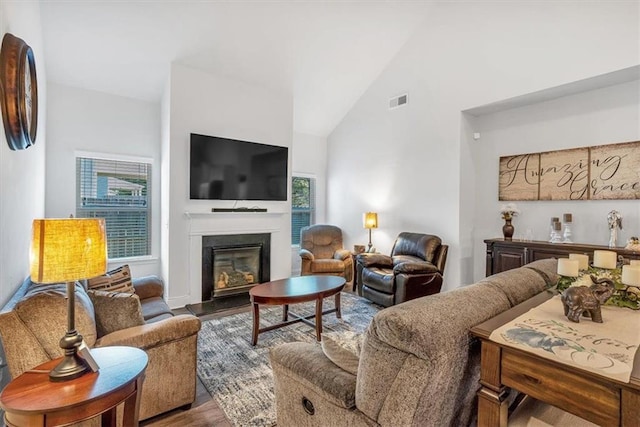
{"points": [[217, 223]]}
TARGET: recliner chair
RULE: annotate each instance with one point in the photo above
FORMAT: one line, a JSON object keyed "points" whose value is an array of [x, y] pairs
{"points": [[414, 269], [323, 253]]}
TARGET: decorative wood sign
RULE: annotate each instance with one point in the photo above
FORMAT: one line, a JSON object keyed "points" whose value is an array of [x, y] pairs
{"points": [[604, 172]]}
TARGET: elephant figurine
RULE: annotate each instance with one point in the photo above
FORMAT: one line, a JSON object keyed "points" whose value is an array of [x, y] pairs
{"points": [[585, 300]]}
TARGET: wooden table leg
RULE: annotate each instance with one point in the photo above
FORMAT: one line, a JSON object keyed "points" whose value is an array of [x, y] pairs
{"points": [[109, 418], [131, 406], [492, 404], [338, 312], [256, 324], [285, 312], [319, 319]]}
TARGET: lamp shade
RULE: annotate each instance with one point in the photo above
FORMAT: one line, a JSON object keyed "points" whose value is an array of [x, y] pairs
{"points": [[370, 220], [66, 250]]}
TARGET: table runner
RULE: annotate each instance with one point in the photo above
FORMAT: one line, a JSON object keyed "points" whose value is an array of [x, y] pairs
{"points": [[606, 349]]}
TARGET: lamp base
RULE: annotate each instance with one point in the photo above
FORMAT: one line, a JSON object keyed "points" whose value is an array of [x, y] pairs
{"points": [[69, 368]]}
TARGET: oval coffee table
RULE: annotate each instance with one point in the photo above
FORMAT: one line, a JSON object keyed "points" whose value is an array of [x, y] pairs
{"points": [[295, 290]]}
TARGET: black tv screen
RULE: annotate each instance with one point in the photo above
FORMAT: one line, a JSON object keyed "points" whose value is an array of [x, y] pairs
{"points": [[229, 169]]}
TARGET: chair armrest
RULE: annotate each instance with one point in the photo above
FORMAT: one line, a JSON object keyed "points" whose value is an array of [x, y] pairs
{"points": [[148, 287], [342, 254], [375, 260], [305, 254], [313, 369], [154, 334], [415, 268]]}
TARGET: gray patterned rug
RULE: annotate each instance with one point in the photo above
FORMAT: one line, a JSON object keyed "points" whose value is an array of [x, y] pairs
{"points": [[239, 375]]}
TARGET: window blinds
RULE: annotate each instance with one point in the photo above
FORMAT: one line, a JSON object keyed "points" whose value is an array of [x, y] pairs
{"points": [[118, 191]]}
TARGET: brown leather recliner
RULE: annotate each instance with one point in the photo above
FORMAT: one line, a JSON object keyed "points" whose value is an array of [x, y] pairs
{"points": [[414, 269], [323, 253]]}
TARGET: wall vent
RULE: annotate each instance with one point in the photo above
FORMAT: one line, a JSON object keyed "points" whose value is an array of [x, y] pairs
{"points": [[398, 101]]}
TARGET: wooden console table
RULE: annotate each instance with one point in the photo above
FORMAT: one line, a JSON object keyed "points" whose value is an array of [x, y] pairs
{"points": [[593, 397], [504, 255], [32, 400]]}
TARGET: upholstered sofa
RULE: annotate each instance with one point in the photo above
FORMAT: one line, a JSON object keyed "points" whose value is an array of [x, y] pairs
{"points": [[418, 364], [414, 269], [34, 320]]}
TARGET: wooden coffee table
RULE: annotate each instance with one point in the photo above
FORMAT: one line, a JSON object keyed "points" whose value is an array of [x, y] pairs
{"points": [[291, 291]]}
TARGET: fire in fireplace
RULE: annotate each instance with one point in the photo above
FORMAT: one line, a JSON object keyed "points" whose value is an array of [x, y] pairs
{"points": [[235, 269], [232, 264]]}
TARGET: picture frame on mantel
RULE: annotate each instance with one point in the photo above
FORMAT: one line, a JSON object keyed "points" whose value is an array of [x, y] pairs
{"points": [[603, 172]]}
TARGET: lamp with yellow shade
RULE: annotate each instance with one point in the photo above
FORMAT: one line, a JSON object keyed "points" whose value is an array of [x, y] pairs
{"points": [[66, 250], [370, 221]]}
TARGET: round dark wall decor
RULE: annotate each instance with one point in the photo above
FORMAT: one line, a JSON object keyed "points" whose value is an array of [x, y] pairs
{"points": [[19, 97]]}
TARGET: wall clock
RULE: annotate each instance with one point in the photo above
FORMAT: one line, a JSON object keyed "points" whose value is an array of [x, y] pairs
{"points": [[19, 96]]}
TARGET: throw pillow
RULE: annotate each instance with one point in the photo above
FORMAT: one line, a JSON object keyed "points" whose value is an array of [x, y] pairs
{"points": [[118, 280], [43, 309], [115, 311], [343, 349]]}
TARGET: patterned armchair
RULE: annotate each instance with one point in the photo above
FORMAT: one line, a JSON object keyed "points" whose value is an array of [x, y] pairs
{"points": [[323, 253]]}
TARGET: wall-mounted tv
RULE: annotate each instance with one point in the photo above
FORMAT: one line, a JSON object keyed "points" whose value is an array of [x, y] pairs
{"points": [[230, 169]]}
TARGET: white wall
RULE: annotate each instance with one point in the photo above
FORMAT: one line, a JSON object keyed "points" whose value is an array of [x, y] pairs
{"points": [[406, 163], [597, 117], [22, 172], [310, 160], [82, 120], [211, 105]]}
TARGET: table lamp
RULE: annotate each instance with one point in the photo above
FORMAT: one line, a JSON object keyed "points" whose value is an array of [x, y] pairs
{"points": [[370, 220], [66, 250]]}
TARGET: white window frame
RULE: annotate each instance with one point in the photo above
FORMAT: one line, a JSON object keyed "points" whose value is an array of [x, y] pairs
{"points": [[313, 201], [141, 259]]}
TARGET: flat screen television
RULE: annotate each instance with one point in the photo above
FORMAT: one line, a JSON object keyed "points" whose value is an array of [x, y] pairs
{"points": [[230, 169]]}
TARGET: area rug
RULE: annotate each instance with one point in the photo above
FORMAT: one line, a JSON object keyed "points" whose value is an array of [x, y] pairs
{"points": [[239, 375]]}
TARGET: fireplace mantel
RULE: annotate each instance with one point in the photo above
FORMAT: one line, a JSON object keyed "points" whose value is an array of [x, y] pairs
{"points": [[192, 215], [222, 223], [207, 223]]}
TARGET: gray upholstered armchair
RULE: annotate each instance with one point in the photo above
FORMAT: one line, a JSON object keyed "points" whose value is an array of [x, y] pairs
{"points": [[322, 252], [414, 269]]}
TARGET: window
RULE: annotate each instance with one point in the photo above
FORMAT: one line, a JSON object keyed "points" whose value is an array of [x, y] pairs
{"points": [[118, 191], [302, 205]]}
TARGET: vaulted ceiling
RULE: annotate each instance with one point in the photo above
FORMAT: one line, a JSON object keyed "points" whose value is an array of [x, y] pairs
{"points": [[324, 53]]}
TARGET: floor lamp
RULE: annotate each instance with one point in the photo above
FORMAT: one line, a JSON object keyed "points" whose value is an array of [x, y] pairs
{"points": [[370, 221], [66, 250]]}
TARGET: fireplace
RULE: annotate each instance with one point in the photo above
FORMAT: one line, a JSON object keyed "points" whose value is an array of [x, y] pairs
{"points": [[232, 264]]}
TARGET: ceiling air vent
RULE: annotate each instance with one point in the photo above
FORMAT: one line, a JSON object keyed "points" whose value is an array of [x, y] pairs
{"points": [[398, 101]]}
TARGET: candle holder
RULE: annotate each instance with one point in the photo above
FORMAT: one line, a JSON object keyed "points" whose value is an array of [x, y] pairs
{"points": [[556, 237], [566, 235], [623, 278], [552, 228]]}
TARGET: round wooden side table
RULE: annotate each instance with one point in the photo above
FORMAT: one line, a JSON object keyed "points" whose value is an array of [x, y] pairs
{"points": [[32, 400]]}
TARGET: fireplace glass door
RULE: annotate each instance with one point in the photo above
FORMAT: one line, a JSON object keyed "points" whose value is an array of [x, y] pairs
{"points": [[235, 269]]}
